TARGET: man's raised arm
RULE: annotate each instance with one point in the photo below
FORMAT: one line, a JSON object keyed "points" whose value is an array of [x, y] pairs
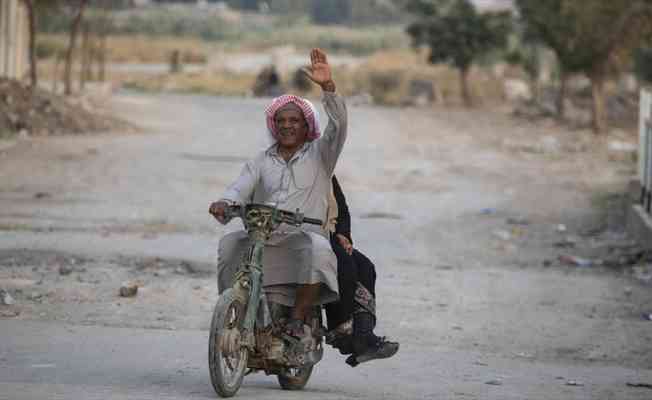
{"points": [[332, 142]]}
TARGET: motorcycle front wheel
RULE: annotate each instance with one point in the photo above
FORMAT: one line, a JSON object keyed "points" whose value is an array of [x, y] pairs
{"points": [[227, 358], [294, 378]]}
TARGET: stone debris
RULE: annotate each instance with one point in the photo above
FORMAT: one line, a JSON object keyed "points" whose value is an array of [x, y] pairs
{"points": [[129, 290], [516, 90], [617, 145], [65, 270], [35, 296], [517, 221], [488, 211], [643, 273], [40, 113], [575, 260], [5, 298], [9, 313], [574, 383], [566, 243], [502, 234], [42, 195], [494, 382]]}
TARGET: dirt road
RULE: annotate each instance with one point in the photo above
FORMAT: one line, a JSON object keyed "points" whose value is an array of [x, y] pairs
{"points": [[464, 213]]}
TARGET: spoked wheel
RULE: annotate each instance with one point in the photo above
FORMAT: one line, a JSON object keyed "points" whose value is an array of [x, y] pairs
{"points": [[294, 378], [227, 358]]}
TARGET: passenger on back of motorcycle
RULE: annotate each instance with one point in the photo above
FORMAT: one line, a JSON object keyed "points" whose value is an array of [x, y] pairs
{"points": [[293, 173], [352, 319]]}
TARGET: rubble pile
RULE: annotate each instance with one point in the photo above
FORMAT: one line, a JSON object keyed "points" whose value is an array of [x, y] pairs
{"points": [[40, 113], [622, 109]]}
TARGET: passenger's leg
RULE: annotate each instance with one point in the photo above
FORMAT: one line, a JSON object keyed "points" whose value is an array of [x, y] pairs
{"points": [[339, 312], [366, 271], [366, 345]]}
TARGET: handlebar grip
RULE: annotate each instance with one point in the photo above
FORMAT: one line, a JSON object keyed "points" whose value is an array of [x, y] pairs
{"points": [[312, 221]]}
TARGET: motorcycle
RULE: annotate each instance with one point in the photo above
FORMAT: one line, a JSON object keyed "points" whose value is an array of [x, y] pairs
{"points": [[247, 332]]}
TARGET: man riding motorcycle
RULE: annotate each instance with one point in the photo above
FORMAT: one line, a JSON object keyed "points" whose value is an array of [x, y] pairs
{"points": [[294, 173]]}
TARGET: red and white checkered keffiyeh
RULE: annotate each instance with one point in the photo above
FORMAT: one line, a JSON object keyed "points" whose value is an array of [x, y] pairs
{"points": [[308, 109]]}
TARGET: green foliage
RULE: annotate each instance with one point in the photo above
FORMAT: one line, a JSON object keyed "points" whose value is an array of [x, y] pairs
{"points": [[594, 37], [590, 37], [46, 48], [643, 64], [456, 32]]}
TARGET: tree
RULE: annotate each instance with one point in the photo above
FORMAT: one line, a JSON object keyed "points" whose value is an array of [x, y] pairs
{"points": [[33, 8], [571, 30], [528, 56], [458, 34], [74, 30], [31, 18]]}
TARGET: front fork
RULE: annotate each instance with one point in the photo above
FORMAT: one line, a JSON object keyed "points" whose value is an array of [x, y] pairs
{"points": [[248, 288]]}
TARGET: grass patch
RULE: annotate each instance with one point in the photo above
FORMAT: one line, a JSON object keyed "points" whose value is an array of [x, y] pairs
{"points": [[15, 227], [217, 83], [137, 48], [605, 201], [386, 76], [339, 39]]}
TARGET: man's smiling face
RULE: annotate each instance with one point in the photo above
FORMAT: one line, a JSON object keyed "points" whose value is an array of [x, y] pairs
{"points": [[291, 127]]}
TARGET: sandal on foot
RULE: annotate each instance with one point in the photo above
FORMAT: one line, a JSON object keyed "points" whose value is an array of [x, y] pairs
{"points": [[294, 328]]}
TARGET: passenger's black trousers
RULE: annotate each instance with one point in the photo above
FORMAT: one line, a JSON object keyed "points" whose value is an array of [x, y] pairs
{"points": [[356, 276]]}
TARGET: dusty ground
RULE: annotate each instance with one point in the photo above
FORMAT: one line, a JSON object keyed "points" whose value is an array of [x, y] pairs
{"points": [[460, 210]]}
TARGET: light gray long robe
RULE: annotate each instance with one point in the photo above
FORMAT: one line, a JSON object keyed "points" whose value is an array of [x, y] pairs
{"points": [[293, 255]]}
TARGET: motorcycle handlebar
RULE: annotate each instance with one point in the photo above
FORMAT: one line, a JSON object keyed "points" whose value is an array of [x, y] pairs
{"points": [[289, 217], [313, 221]]}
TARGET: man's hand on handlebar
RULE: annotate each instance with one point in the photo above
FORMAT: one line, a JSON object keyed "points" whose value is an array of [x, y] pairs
{"points": [[218, 210]]}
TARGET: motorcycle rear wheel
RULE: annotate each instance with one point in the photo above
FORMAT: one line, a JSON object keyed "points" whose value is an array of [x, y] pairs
{"points": [[227, 359], [294, 378]]}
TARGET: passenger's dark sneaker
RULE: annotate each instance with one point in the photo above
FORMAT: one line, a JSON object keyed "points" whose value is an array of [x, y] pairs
{"points": [[343, 343], [382, 348], [341, 338]]}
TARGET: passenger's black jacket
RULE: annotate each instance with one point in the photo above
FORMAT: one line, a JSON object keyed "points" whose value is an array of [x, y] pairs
{"points": [[343, 225]]}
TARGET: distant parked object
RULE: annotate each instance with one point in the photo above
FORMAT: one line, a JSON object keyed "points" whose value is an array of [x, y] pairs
{"points": [[14, 37], [268, 83]]}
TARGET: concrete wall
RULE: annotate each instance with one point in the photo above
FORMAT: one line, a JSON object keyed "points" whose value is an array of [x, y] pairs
{"points": [[645, 118], [639, 220], [14, 35]]}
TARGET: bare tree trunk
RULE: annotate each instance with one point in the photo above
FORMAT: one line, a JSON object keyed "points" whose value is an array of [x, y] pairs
{"points": [[102, 37], [85, 56], [600, 123], [464, 85], [67, 79], [102, 58], [561, 95], [29, 5], [55, 76]]}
